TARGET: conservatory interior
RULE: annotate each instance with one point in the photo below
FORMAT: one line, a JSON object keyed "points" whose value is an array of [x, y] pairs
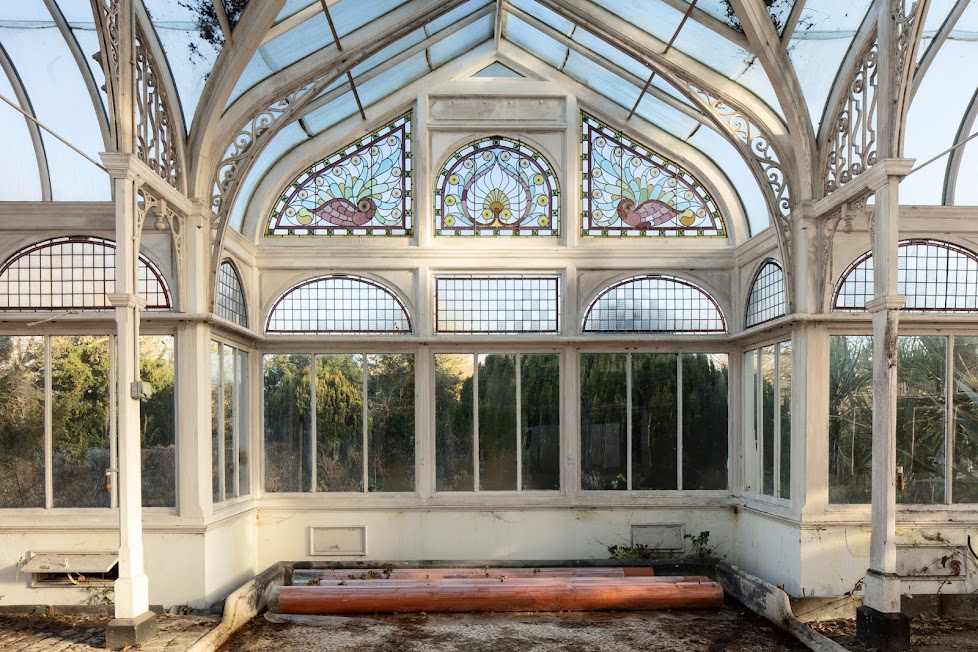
{"points": [[482, 280]]}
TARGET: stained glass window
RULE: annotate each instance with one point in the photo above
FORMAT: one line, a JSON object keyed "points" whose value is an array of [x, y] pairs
{"points": [[767, 296], [339, 304], [230, 298], [934, 276], [362, 189], [497, 304], [630, 190], [654, 304], [497, 186], [73, 273]]}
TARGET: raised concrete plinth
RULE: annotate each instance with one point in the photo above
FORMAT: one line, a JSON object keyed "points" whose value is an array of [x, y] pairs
{"points": [[121, 632], [887, 632]]}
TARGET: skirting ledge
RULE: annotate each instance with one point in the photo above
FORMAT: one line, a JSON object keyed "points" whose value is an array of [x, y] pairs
{"points": [[124, 632], [772, 603]]}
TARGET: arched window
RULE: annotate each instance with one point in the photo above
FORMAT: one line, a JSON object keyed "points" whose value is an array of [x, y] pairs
{"points": [[497, 186], [630, 190], [339, 304], [653, 303], [934, 276], [230, 298], [73, 273], [362, 189], [767, 297]]}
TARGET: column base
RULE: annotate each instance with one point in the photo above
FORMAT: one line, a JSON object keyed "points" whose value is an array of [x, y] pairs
{"points": [[888, 632], [121, 632]]}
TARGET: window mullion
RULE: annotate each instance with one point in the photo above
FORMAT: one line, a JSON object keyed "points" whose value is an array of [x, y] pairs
{"points": [[679, 421], [776, 411], [475, 422], [628, 420], [519, 422], [364, 416], [312, 426], [48, 427], [949, 424]]}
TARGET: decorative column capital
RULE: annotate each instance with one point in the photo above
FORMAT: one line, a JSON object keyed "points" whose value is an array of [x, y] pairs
{"points": [[892, 302], [123, 300]]}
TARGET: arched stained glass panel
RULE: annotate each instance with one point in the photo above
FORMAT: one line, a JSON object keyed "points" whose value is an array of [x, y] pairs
{"points": [[767, 297], [339, 304], [654, 304], [362, 189], [631, 190], [73, 273], [230, 298], [934, 276], [497, 186]]}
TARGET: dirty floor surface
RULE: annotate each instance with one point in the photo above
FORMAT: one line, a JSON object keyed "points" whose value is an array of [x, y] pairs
{"points": [[927, 634], [730, 629], [67, 633]]}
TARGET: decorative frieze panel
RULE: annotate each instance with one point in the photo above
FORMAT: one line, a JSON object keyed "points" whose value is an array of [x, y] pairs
{"points": [[852, 148], [154, 134]]}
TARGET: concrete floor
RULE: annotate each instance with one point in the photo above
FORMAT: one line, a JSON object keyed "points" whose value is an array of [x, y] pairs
{"points": [[731, 629]]}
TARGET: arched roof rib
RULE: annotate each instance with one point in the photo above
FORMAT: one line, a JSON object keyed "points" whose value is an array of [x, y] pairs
{"points": [[44, 173]]}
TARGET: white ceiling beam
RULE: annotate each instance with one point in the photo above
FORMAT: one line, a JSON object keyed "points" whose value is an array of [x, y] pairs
{"points": [[708, 21], [296, 19], [957, 154], [222, 19], [792, 23]]}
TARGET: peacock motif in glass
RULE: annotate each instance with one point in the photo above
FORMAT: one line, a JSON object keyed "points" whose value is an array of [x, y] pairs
{"points": [[631, 190], [363, 189], [497, 186]]}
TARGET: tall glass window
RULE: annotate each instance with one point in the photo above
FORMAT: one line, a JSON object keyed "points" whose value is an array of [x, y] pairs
{"points": [[352, 430], [653, 421], [767, 416], [497, 421], [230, 434]]}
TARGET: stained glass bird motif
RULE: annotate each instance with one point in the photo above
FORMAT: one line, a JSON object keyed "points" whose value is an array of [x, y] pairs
{"points": [[342, 212]]}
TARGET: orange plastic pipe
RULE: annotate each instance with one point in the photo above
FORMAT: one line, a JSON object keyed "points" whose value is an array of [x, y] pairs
{"points": [[473, 573], [518, 594]]}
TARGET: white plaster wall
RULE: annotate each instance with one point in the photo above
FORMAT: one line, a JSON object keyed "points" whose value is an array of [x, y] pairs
{"points": [[769, 548], [230, 557], [459, 534]]}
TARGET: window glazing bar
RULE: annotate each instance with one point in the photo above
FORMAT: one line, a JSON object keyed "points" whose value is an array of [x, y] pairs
{"points": [[675, 35]]}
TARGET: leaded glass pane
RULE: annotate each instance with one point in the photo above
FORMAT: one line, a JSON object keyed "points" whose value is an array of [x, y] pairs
{"points": [[850, 418], [339, 422], [497, 186], [767, 296], [362, 189], [497, 304], [80, 420], [288, 423], [704, 418], [21, 422], [604, 421], [230, 298], [630, 190], [934, 276], [654, 303], [339, 304], [390, 438], [73, 273]]}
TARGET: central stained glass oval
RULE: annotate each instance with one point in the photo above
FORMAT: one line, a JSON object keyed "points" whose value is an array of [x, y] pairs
{"points": [[498, 186]]}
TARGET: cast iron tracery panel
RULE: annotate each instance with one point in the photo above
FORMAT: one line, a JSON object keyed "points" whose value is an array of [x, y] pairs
{"points": [[73, 273], [362, 189], [230, 298], [934, 276], [338, 304], [767, 296], [653, 303], [497, 186], [630, 190]]}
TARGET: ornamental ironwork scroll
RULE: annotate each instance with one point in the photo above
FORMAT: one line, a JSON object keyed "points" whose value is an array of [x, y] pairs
{"points": [[852, 149], [630, 190], [153, 131], [362, 189], [498, 186], [106, 14]]}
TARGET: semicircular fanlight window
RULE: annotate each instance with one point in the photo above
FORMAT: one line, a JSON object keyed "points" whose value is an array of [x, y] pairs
{"points": [[339, 304], [73, 273], [934, 276], [767, 297], [497, 186], [654, 303]]}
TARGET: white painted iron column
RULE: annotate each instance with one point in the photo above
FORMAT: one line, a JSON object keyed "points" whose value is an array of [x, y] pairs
{"points": [[882, 585], [132, 587]]}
